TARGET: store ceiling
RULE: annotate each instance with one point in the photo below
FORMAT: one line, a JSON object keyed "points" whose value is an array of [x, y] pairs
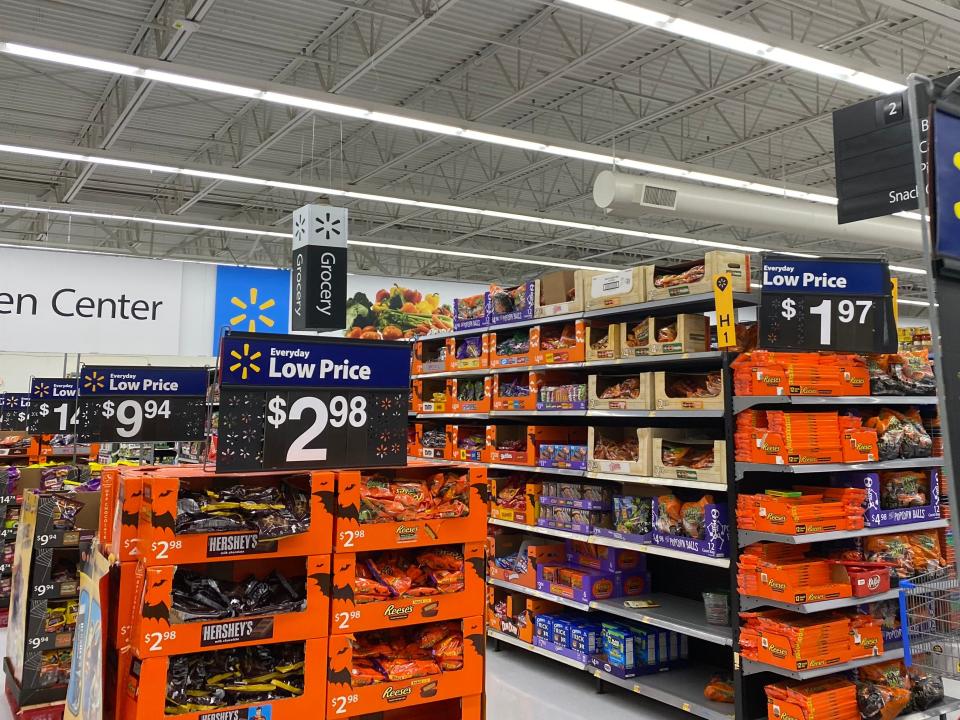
{"points": [[548, 68]]}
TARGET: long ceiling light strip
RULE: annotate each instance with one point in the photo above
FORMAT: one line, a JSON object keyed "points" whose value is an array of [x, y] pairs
{"points": [[387, 199], [318, 190], [344, 108], [739, 44]]}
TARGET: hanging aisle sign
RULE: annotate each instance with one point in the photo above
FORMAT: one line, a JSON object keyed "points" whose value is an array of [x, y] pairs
{"points": [[14, 411], [293, 402], [141, 404], [318, 296], [839, 304], [53, 406]]}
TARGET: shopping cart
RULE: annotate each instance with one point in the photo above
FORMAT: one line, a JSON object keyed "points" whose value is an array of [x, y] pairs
{"points": [[930, 619]]}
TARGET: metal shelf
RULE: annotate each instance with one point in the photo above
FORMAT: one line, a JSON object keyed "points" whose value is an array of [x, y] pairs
{"points": [[452, 416], [686, 414], [751, 667], [711, 356], [610, 542], [682, 688], [949, 705], [511, 640], [482, 372], [839, 467], [536, 413], [745, 402], [685, 303], [544, 367], [559, 599], [664, 482], [675, 613], [748, 537], [750, 603], [536, 469]]}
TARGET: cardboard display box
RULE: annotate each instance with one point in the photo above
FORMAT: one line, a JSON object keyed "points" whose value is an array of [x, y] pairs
{"points": [[455, 436], [353, 536], [145, 687], [531, 437], [470, 406], [602, 340], [642, 466], [431, 453], [158, 631], [560, 342], [159, 544], [522, 305], [715, 472], [604, 289], [641, 382], [431, 395], [559, 292], [666, 399], [345, 700], [537, 550], [348, 616], [430, 355], [496, 337], [526, 402], [469, 362], [714, 262], [531, 494], [471, 313], [649, 336]]}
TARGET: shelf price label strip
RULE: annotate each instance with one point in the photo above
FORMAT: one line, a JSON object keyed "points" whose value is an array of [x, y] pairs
{"points": [[53, 406], [289, 402], [141, 404], [838, 304]]}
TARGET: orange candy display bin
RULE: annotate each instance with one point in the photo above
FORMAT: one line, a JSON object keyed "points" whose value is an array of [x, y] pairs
{"points": [[416, 448], [465, 708], [527, 402], [344, 700], [528, 514], [159, 544], [521, 359], [123, 581], [521, 610], [348, 616], [431, 355], [537, 550], [145, 687], [456, 450], [157, 633], [352, 535], [431, 395], [561, 342], [830, 698], [472, 361], [470, 406]]}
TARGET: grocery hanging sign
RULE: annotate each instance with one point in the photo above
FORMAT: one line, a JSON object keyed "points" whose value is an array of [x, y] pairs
{"points": [[839, 304], [318, 294], [141, 404], [290, 402], [53, 406]]}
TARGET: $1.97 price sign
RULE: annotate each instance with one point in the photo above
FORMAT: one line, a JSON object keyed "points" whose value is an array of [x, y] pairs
{"points": [[131, 404], [294, 402], [843, 305], [53, 406]]}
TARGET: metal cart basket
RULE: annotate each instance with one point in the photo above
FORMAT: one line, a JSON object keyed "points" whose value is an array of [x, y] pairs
{"points": [[930, 618]]}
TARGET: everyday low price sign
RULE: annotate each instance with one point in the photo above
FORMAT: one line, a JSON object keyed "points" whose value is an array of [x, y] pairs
{"points": [[839, 304], [53, 406], [131, 404], [294, 402], [14, 411]]}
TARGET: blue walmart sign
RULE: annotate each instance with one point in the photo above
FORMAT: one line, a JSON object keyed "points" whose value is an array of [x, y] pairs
{"points": [[947, 153], [251, 300]]}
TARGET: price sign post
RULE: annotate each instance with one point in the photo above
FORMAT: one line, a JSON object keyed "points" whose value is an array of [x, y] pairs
{"points": [[290, 402], [53, 406], [137, 404], [844, 305], [14, 411]]}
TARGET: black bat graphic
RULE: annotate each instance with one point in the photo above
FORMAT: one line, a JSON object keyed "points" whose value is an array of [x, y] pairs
{"points": [[329, 500], [165, 493], [478, 565], [343, 592], [477, 640], [349, 512], [339, 677], [129, 518], [483, 490], [165, 521], [159, 583], [345, 649], [323, 580], [157, 611]]}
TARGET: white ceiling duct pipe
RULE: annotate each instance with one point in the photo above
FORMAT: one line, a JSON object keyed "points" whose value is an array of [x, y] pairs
{"points": [[624, 195]]}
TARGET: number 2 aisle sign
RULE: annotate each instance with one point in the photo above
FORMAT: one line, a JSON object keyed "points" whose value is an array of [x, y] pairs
{"points": [[141, 404], [845, 305], [288, 401]]}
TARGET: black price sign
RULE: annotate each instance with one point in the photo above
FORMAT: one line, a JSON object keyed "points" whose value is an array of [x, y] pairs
{"points": [[843, 305], [289, 402], [128, 404], [53, 406], [14, 411]]}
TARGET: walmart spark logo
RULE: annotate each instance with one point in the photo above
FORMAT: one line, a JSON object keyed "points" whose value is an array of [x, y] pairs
{"points": [[251, 308], [41, 390], [245, 362], [94, 381], [956, 164]]}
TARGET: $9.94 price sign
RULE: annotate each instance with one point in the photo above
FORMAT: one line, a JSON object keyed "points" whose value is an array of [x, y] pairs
{"points": [[53, 406], [130, 404], [844, 305], [289, 402]]}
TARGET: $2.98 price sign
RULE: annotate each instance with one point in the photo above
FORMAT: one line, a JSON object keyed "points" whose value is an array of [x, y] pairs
{"points": [[314, 415]]}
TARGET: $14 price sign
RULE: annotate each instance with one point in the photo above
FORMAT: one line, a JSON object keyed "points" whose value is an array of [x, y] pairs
{"points": [[53, 406], [843, 305]]}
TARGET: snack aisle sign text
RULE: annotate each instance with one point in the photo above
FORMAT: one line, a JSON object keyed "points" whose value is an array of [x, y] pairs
{"points": [[289, 402], [141, 404], [841, 304]]}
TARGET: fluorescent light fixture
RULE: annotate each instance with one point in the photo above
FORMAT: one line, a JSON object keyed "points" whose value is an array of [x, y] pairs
{"points": [[116, 162], [226, 177], [414, 124], [80, 61], [593, 157], [740, 44], [918, 303], [496, 139], [317, 105], [908, 270], [201, 83], [479, 256]]}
